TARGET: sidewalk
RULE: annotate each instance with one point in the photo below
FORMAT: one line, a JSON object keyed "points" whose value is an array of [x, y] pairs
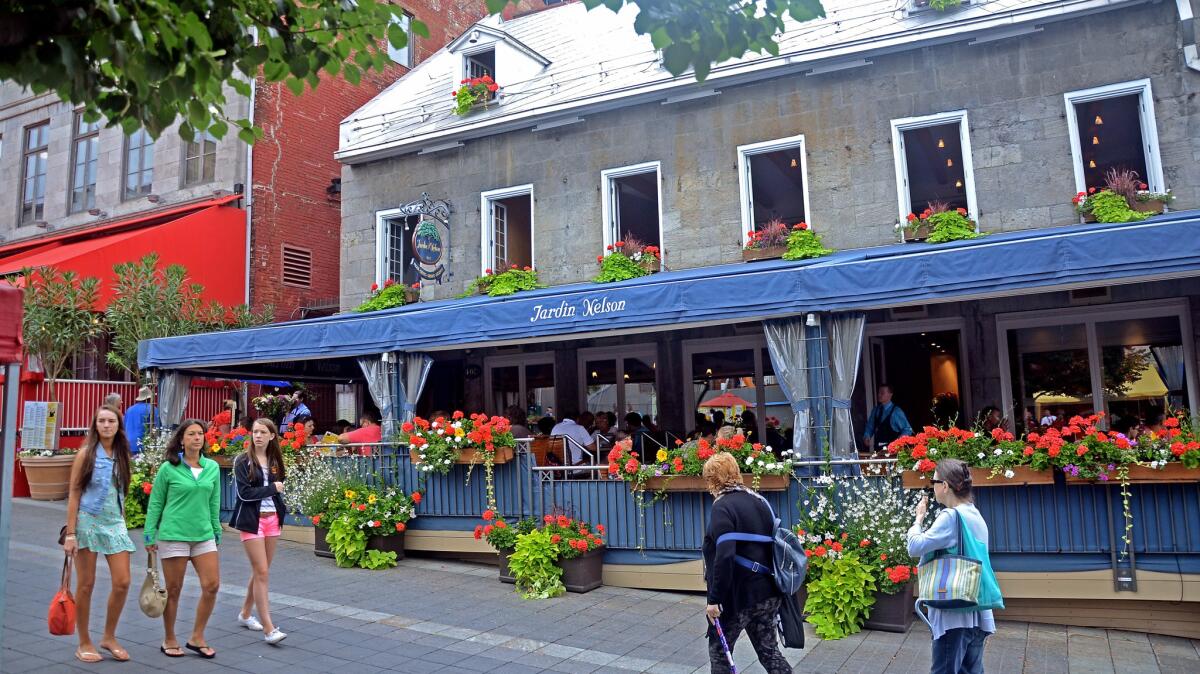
{"points": [[434, 616]]}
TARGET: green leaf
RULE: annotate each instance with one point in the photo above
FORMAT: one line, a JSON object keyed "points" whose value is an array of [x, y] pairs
{"points": [[246, 136], [396, 35], [296, 86], [677, 57], [496, 6], [659, 38]]}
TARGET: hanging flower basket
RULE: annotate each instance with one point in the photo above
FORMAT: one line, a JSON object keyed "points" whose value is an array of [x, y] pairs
{"points": [[982, 477], [696, 483]]}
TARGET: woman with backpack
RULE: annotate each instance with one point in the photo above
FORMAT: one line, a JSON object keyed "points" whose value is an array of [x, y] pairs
{"points": [[958, 635], [742, 599]]}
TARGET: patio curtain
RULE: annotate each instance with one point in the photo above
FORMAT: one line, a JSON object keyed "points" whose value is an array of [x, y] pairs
{"points": [[845, 342], [378, 373], [414, 370], [1168, 360], [173, 391], [788, 348]]}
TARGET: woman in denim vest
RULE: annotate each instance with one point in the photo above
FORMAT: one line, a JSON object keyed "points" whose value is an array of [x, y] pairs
{"points": [[96, 526]]}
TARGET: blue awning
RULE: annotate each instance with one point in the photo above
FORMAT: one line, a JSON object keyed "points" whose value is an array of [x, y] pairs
{"points": [[1164, 247]]}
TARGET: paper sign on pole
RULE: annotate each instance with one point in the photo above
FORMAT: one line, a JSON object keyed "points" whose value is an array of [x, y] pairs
{"points": [[39, 425]]}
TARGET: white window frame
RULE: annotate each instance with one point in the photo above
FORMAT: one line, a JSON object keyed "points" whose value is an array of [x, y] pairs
{"points": [[757, 343], [1147, 119], [464, 68], [746, 180], [485, 231], [404, 55], [646, 352], [608, 216], [383, 220], [1088, 317], [899, 126]]}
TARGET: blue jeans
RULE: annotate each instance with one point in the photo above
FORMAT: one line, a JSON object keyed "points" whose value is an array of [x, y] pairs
{"points": [[959, 651]]}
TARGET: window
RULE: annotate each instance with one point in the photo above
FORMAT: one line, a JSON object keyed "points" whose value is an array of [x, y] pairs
{"points": [[139, 164], [525, 380], [297, 267], [933, 163], [1113, 127], [631, 204], [200, 160], [479, 64], [727, 376], [773, 183], [620, 380], [402, 55], [33, 173], [396, 259], [84, 145], [507, 227]]}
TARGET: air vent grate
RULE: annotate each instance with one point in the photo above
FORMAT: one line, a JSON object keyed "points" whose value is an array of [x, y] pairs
{"points": [[297, 267]]}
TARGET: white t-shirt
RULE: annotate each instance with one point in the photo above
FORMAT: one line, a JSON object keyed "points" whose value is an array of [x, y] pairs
{"points": [[267, 505], [1049, 419], [196, 472], [579, 436]]}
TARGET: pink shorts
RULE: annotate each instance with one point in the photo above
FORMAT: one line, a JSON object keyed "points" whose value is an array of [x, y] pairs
{"points": [[268, 525]]}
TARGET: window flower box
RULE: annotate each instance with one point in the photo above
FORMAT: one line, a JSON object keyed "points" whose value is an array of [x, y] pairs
{"points": [[982, 477], [1171, 473], [696, 483], [771, 253], [766, 243], [471, 456]]}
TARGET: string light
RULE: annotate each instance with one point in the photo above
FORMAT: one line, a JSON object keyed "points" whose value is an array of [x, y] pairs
{"points": [[1099, 119], [794, 163], [595, 374], [1095, 140], [958, 183], [1091, 163], [941, 142], [949, 162]]}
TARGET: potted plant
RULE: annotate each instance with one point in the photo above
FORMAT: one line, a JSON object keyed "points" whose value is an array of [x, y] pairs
{"points": [[842, 592], [143, 468], [534, 567], [767, 243], [472, 92], [996, 458], [503, 538], [314, 489], [580, 551], [435, 446], [392, 295], [803, 243], [1124, 198], [938, 224], [507, 282], [274, 405], [48, 472], [387, 513], [681, 468], [626, 259], [224, 447], [367, 525]]}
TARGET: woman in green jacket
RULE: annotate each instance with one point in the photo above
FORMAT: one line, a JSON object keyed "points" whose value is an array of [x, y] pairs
{"points": [[183, 521]]}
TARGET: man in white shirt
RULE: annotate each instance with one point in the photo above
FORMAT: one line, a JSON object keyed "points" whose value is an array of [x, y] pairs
{"points": [[578, 435]]}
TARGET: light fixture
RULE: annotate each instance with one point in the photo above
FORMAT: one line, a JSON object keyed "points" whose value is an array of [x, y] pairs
{"points": [[474, 37], [794, 163], [1099, 119], [708, 372], [958, 183], [1095, 140], [812, 321], [1091, 163], [595, 374], [941, 142], [949, 161], [626, 377]]}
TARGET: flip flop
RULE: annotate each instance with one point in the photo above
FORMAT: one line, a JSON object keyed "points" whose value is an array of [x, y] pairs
{"points": [[88, 657], [199, 650], [119, 654], [165, 652]]}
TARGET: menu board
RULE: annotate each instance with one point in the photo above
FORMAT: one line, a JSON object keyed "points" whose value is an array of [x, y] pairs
{"points": [[39, 425]]}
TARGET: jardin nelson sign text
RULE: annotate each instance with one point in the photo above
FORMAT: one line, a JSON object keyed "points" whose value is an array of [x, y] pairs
{"points": [[584, 308]]}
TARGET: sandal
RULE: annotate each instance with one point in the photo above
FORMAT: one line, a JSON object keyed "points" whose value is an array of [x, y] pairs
{"points": [[199, 650], [166, 650], [119, 654], [88, 657]]}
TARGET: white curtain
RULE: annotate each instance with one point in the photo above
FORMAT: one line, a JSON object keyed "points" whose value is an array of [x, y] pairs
{"points": [[788, 348], [414, 370], [173, 391], [845, 340], [378, 373]]}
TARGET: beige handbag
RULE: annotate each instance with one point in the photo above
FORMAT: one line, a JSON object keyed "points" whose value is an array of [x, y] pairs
{"points": [[153, 597]]}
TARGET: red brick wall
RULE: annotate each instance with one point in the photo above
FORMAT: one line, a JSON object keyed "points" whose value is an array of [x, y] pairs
{"points": [[293, 165]]}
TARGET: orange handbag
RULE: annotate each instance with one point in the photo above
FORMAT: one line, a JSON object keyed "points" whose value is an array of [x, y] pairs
{"points": [[62, 608]]}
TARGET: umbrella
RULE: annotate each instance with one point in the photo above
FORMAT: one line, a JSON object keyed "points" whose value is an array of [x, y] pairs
{"points": [[726, 399]]}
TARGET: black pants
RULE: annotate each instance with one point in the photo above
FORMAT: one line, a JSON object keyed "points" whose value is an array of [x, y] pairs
{"points": [[759, 624]]}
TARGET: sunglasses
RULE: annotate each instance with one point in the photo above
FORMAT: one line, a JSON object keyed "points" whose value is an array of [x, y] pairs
{"points": [[937, 482]]}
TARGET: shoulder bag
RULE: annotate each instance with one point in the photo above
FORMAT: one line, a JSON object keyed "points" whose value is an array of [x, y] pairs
{"points": [[153, 597], [61, 616]]}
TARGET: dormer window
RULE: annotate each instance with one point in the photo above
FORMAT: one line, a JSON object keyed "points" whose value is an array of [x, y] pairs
{"points": [[480, 64]]}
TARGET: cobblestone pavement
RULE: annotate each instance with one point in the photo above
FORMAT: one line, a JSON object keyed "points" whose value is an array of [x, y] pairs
{"points": [[435, 616]]}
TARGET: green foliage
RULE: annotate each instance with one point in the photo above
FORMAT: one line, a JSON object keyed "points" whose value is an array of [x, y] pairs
{"points": [[532, 563], [146, 64], [506, 282], [943, 5], [618, 267], [472, 91], [1108, 206], [377, 559], [804, 244], [390, 297], [136, 501], [949, 226], [841, 596], [59, 318], [149, 302], [346, 541]]}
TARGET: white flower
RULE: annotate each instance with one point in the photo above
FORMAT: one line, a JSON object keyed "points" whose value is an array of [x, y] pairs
{"points": [[1009, 474], [441, 432], [979, 435], [932, 451], [981, 455], [998, 451]]}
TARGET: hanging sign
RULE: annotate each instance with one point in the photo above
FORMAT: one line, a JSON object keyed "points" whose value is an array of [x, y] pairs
{"points": [[431, 237]]}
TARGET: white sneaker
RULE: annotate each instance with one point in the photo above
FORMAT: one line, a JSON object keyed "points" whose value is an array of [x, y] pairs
{"points": [[250, 623], [275, 636]]}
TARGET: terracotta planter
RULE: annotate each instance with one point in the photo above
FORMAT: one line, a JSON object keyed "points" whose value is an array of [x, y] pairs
{"points": [[892, 612], [1172, 473], [982, 477], [390, 543], [584, 573], [502, 559], [320, 544], [49, 476], [652, 265], [917, 235], [696, 483], [223, 460], [466, 456], [770, 253], [1153, 206]]}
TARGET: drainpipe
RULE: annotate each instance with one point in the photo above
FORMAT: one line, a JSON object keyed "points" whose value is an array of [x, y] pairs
{"points": [[1191, 56], [249, 192]]}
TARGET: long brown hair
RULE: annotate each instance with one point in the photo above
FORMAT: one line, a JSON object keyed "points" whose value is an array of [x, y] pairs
{"points": [[120, 452], [274, 453], [174, 452]]}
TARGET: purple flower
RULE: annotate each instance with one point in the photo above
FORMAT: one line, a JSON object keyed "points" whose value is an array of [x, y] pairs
{"points": [[1071, 469], [1103, 477], [1111, 467]]}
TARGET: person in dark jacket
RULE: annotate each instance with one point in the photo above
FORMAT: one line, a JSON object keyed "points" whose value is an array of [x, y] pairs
{"points": [[258, 513], [742, 599]]}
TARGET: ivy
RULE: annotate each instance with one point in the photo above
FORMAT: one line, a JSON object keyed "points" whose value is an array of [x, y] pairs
{"points": [[618, 267], [841, 596], [532, 564]]}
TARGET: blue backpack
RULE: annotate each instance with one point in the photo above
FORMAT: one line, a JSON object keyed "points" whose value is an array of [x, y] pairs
{"points": [[790, 563]]}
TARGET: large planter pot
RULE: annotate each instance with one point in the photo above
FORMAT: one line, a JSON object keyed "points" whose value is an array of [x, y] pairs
{"points": [[505, 574], [49, 476], [982, 477], [892, 612], [769, 253], [320, 543], [469, 456], [697, 483], [1172, 473], [584, 573], [390, 543]]}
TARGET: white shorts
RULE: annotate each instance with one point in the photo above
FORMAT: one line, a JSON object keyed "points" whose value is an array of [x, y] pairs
{"points": [[168, 549]]}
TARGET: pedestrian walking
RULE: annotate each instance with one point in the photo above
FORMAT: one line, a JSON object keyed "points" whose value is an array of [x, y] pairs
{"points": [[742, 599], [183, 522], [258, 477], [958, 635], [96, 526], [138, 418]]}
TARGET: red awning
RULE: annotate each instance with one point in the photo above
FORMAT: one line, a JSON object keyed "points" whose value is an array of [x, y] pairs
{"points": [[209, 242], [10, 324]]}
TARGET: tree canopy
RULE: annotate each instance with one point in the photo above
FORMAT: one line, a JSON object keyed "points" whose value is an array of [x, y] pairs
{"points": [[146, 64]]}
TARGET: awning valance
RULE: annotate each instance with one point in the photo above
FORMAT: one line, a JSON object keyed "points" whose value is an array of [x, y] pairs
{"points": [[996, 265]]}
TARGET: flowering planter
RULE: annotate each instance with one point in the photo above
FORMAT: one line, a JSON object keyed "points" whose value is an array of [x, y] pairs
{"points": [[769, 253], [412, 295], [982, 477], [505, 575], [697, 483], [49, 476], [1172, 473], [584, 573], [917, 235], [320, 543], [466, 456], [1154, 206], [223, 460], [892, 612], [390, 543], [652, 265]]}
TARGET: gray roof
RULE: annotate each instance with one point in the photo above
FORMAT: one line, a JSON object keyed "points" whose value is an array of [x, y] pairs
{"points": [[598, 62]]}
